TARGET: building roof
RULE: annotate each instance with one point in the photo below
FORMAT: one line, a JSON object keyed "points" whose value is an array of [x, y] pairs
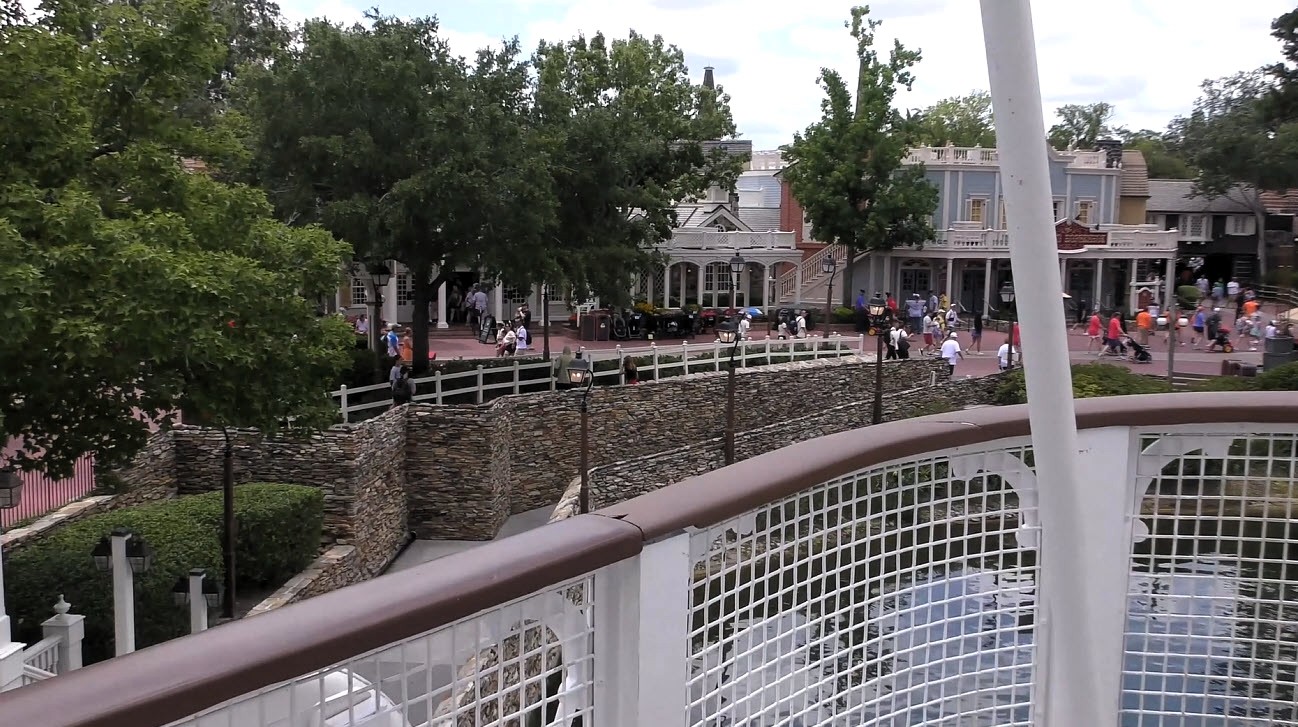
{"points": [[1135, 174], [735, 147], [1281, 203], [761, 219], [1176, 196]]}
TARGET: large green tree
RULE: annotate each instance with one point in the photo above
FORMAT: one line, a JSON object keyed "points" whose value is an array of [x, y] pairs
{"points": [[405, 150], [958, 121], [1162, 160], [623, 127], [131, 287], [846, 169], [1081, 125]]}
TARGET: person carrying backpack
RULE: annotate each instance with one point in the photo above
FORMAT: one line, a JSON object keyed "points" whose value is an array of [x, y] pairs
{"points": [[403, 387]]}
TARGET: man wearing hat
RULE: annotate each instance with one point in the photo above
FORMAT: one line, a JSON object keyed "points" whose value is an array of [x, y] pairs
{"points": [[951, 352]]}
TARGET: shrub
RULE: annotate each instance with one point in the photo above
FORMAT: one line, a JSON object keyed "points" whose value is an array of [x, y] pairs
{"points": [[61, 564], [843, 314], [1089, 381], [1280, 378], [1227, 383], [277, 528]]}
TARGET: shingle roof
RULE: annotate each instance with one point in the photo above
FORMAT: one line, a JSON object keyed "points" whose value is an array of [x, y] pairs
{"points": [[761, 219], [1135, 174], [735, 147], [1281, 203], [1174, 195]]}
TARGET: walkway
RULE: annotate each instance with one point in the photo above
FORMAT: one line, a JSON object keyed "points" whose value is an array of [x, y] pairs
{"points": [[422, 551]]}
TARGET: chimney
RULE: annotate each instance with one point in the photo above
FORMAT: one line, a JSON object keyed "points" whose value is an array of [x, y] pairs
{"points": [[708, 81], [734, 204], [1112, 149]]}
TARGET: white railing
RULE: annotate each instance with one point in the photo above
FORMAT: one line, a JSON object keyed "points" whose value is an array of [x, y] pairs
{"points": [[970, 240], [979, 156], [700, 239], [1152, 240], [903, 592], [656, 362], [810, 269], [41, 659], [1126, 240]]}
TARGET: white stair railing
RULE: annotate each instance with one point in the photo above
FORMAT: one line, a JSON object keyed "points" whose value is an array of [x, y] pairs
{"points": [[810, 269]]}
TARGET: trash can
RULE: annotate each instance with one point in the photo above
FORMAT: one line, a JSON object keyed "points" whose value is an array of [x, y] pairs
{"points": [[589, 324], [603, 326], [1248, 369], [1277, 352]]}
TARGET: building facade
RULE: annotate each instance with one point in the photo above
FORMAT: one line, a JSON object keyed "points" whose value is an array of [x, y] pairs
{"points": [[1222, 230], [1105, 258]]}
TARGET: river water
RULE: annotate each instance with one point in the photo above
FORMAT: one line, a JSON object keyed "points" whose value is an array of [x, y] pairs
{"points": [[1211, 641]]}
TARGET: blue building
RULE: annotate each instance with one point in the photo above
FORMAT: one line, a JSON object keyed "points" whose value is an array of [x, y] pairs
{"points": [[1108, 252]]}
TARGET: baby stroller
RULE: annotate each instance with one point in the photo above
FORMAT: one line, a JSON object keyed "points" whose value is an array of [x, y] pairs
{"points": [[1222, 341], [1138, 353]]}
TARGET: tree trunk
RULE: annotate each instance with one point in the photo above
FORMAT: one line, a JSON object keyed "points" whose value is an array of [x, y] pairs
{"points": [[421, 293], [845, 295]]}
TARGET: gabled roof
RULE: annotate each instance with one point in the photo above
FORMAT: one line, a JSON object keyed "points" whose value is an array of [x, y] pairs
{"points": [[723, 214], [1176, 196]]}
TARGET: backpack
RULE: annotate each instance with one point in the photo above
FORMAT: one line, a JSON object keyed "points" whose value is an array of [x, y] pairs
{"points": [[903, 344]]}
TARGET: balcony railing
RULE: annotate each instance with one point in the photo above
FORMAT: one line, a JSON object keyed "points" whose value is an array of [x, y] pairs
{"points": [[701, 239], [979, 156], [1120, 238], [890, 575]]}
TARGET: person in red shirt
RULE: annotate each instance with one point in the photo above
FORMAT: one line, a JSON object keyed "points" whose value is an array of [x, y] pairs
{"points": [[1114, 340], [1093, 332]]}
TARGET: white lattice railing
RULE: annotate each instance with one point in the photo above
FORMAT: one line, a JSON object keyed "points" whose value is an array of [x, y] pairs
{"points": [[42, 657], [787, 284]]}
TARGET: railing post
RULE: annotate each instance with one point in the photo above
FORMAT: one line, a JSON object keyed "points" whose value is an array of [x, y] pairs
{"points": [[860, 344], [644, 656], [653, 349], [342, 402], [478, 393], [437, 386], [716, 355], [685, 358], [516, 373], [70, 630]]}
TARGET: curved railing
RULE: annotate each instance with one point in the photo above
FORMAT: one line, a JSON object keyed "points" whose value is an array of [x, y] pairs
{"points": [[897, 574]]}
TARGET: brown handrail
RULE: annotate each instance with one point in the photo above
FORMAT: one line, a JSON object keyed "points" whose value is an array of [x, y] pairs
{"points": [[174, 680]]}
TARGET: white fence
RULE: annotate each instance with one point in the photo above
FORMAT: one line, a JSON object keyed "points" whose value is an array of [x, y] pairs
{"points": [[670, 360]]}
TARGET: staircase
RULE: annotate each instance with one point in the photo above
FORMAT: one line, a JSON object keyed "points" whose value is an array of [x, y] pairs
{"points": [[815, 282]]}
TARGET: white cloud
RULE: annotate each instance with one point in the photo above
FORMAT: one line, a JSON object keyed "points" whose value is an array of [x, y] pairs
{"points": [[1145, 56]]}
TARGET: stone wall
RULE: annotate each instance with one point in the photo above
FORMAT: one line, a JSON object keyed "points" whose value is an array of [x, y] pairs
{"points": [[620, 481], [337, 567], [456, 472], [151, 474]]}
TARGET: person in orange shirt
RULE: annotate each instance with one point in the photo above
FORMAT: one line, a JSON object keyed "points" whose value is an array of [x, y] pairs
{"points": [[1250, 307], [1144, 326]]}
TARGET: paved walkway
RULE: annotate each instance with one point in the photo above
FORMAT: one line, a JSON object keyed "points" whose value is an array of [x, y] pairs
{"points": [[423, 551]]}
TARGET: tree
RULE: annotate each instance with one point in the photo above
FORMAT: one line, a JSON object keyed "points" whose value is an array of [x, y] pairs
{"points": [[959, 121], [846, 169], [132, 288], [1162, 160], [622, 126], [1081, 125], [406, 151]]}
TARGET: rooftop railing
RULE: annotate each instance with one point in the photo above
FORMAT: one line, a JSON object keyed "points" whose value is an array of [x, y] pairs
{"points": [[897, 574]]}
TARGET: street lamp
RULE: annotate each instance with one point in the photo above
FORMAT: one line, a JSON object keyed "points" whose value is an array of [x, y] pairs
{"points": [[545, 321], [728, 333], [737, 265], [11, 493], [827, 266], [199, 594], [1007, 297], [581, 375], [124, 555], [878, 306]]}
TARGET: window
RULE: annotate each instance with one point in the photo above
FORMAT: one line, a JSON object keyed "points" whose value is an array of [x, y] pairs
{"points": [[1240, 225], [360, 291], [513, 297], [1057, 210], [976, 208], [1084, 211], [1194, 226], [716, 277], [405, 289]]}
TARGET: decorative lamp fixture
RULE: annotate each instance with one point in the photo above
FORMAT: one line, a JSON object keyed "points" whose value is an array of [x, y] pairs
{"points": [[737, 264], [878, 305], [1007, 293], [11, 489], [828, 264], [103, 554], [381, 274], [727, 332], [579, 373], [211, 589], [138, 553]]}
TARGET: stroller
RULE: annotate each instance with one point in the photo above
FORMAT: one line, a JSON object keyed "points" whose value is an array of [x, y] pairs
{"points": [[1138, 353], [1222, 341]]}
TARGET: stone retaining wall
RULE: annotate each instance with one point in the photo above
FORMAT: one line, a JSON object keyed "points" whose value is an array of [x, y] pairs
{"points": [[337, 567]]}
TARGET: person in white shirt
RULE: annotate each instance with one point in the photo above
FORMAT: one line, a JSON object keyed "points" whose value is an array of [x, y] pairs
{"points": [[508, 342], [929, 325], [522, 338], [1003, 355], [900, 341], [951, 352], [745, 323], [1271, 330], [802, 324], [1232, 288]]}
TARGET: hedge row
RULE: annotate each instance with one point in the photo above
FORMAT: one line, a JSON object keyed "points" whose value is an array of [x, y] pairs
{"points": [[278, 534], [1089, 381]]}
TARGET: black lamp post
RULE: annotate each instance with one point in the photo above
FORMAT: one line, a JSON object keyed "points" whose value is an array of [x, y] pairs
{"points": [[545, 321], [11, 489], [728, 333], [737, 265], [827, 266], [1007, 297], [581, 375], [878, 313], [380, 274]]}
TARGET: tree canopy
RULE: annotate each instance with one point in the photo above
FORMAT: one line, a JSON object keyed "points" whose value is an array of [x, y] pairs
{"points": [[130, 286], [846, 169], [1081, 125], [958, 121]]}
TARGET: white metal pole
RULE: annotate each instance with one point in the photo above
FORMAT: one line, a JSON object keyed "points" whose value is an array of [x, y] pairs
{"points": [[6, 635], [197, 604], [123, 598], [1066, 665]]}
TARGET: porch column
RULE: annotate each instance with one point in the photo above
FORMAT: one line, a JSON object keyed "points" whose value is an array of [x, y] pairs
{"points": [[498, 300], [1099, 283], [649, 288], [667, 285], [950, 281], [698, 276], [1063, 273], [390, 300], [441, 306], [988, 264], [1131, 289], [797, 281]]}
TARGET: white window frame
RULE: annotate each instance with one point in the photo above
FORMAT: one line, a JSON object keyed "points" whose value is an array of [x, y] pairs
{"points": [[1091, 209], [1056, 209], [1241, 225], [1204, 227], [982, 210], [405, 289], [360, 288]]}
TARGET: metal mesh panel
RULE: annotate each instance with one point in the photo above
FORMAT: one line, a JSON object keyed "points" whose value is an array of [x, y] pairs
{"points": [[904, 594], [1212, 610], [524, 664]]}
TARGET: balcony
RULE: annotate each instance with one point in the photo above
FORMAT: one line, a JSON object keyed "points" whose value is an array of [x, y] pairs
{"points": [[1109, 239], [705, 239], [890, 575], [964, 156]]}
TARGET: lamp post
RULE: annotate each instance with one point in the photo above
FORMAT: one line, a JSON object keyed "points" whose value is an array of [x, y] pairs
{"points": [[200, 594], [581, 375], [124, 555], [11, 494], [737, 265], [545, 321], [728, 333], [827, 266], [878, 310], [380, 275], [1007, 297]]}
